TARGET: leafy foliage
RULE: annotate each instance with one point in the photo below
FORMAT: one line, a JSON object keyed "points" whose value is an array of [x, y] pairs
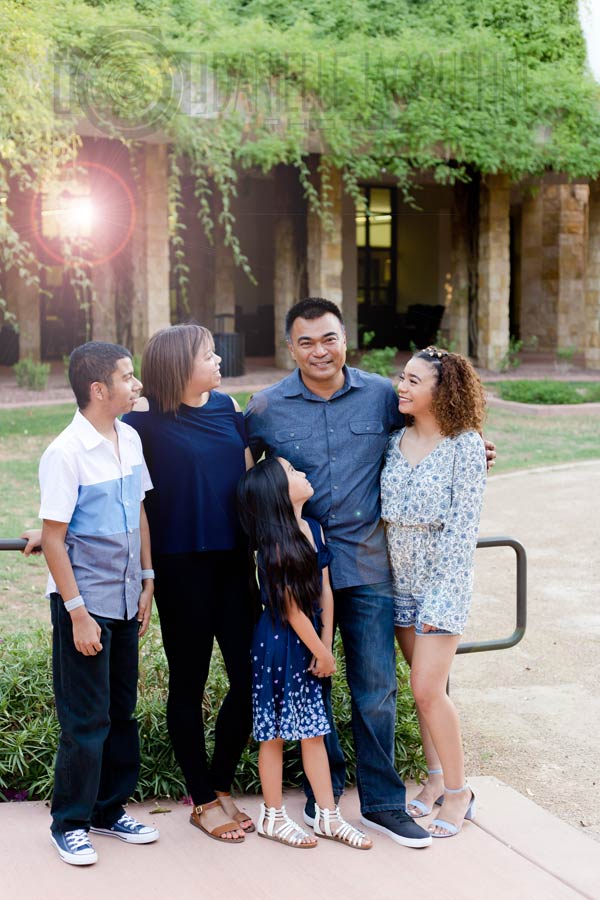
{"points": [[452, 86], [31, 374], [29, 728], [547, 391]]}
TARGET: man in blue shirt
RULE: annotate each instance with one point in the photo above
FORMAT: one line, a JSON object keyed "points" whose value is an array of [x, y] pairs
{"points": [[333, 422]]}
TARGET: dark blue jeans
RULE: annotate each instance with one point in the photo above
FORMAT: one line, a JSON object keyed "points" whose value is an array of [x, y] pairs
{"points": [[365, 617], [98, 757]]}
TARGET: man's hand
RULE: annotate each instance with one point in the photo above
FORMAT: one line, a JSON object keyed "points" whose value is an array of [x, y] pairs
{"points": [[145, 606], [86, 632], [33, 536], [490, 452]]}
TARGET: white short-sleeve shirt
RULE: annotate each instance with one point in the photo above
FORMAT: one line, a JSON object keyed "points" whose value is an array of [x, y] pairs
{"points": [[85, 484]]}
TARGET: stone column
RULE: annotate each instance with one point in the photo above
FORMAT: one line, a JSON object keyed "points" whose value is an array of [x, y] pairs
{"points": [[24, 302], [493, 271], [324, 246], [284, 286], [224, 285], [592, 282], [349, 271], [104, 316], [457, 290], [570, 320], [23, 297], [536, 307], [150, 247]]}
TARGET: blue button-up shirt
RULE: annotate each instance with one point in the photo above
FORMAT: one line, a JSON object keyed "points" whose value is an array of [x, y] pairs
{"points": [[339, 443]]}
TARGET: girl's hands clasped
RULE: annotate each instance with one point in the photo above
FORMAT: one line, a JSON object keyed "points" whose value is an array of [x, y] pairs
{"points": [[322, 666]]}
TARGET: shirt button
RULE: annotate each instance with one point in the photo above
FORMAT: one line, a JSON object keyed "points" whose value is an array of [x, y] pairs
{"points": [[333, 459], [335, 487], [128, 580], [331, 430], [332, 517], [131, 556], [130, 530], [292, 434]]}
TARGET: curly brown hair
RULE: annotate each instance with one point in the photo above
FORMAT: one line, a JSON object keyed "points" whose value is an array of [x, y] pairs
{"points": [[459, 399]]}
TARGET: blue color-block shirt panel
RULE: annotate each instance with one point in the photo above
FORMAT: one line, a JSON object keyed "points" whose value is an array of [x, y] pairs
{"points": [[84, 484], [339, 443]]}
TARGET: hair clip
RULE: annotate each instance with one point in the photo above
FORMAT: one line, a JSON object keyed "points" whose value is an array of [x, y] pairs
{"points": [[434, 351]]}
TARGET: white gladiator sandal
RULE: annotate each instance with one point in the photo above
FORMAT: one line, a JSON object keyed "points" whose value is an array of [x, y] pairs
{"points": [[330, 824], [275, 825]]}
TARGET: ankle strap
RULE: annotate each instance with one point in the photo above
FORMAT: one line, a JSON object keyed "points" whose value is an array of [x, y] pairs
{"points": [[465, 787], [434, 771]]}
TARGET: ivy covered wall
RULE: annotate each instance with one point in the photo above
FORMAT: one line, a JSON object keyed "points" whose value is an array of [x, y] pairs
{"points": [[452, 86]]}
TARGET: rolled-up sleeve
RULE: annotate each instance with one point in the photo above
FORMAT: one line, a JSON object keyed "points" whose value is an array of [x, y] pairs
{"points": [[448, 592]]}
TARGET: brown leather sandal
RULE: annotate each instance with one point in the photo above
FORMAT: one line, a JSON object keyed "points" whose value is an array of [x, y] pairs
{"points": [[226, 801], [219, 828]]}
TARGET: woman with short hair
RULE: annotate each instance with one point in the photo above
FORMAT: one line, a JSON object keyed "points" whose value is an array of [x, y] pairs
{"points": [[195, 448]]}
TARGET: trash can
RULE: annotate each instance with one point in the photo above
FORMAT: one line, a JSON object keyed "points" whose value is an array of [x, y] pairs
{"points": [[230, 346]]}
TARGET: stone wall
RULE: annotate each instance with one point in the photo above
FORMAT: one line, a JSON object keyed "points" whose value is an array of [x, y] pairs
{"points": [[592, 282], [553, 250], [493, 271], [324, 246], [150, 247]]}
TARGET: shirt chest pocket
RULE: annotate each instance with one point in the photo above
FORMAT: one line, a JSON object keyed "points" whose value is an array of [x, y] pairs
{"points": [[292, 444], [368, 440]]}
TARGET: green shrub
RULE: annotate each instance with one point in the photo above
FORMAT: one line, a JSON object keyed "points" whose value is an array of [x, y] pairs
{"points": [[549, 392], [566, 354], [30, 374], [379, 360], [29, 729], [512, 359]]}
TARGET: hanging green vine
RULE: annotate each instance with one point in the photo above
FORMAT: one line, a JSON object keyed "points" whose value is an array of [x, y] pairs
{"points": [[451, 86]]}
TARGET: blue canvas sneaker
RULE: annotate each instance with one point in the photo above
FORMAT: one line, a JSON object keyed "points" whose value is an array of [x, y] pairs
{"points": [[74, 847], [129, 829]]}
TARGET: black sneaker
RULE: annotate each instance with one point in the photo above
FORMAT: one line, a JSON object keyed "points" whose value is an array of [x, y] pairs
{"points": [[309, 809], [74, 847], [398, 825]]}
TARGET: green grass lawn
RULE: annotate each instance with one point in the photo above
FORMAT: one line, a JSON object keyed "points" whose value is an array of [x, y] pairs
{"points": [[522, 442], [547, 391]]}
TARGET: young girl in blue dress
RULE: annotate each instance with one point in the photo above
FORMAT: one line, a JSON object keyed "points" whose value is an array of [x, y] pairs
{"points": [[291, 649]]}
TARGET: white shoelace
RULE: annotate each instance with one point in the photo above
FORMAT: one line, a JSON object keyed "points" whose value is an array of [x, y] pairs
{"points": [[128, 821], [77, 839]]}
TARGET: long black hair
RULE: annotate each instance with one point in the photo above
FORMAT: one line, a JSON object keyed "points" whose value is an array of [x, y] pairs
{"points": [[287, 561]]}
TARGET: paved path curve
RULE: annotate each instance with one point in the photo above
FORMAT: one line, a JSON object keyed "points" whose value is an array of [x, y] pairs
{"points": [[531, 714]]}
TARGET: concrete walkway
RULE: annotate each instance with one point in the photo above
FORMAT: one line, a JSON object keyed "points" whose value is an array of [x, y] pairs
{"points": [[515, 851]]}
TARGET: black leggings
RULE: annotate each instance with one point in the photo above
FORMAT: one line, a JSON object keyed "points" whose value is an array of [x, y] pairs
{"points": [[200, 597]]}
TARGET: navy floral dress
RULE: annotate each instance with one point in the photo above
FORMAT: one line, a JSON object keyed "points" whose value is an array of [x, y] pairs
{"points": [[287, 701]]}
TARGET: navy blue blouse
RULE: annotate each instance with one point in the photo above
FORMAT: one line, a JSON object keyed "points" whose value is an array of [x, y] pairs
{"points": [[195, 458]]}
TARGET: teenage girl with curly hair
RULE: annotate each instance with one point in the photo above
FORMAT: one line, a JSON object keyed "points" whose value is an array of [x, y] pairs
{"points": [[431, 494]]}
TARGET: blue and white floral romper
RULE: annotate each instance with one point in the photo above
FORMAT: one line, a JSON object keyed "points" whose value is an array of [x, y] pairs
{"points": [[431, 513]]}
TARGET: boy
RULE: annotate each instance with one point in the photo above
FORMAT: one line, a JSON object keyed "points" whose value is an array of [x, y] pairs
{"points": [[97, 545]]}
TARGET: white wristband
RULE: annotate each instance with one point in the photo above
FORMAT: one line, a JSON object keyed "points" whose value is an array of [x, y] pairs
{"points": [[75, 603], [147, 573]]}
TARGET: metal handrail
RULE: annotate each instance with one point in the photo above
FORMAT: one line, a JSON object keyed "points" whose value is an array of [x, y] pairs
{"points": [[521, 611], [13, 544], [468, 646]]}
